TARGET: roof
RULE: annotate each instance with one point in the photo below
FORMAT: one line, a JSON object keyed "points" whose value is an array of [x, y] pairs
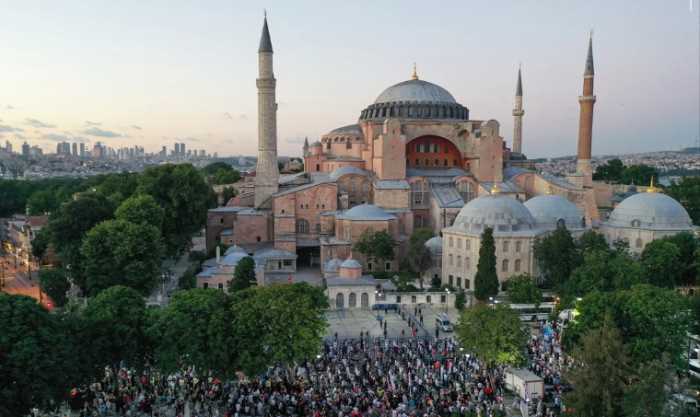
{"points": [[304, 187], [651, 210], [347, 170], [549, 210], [351, 263], [415, 91], [589, 58], [447, 196], [265, 42], [519, 87], [434, 244], [366, 212], [391, 185], [506, 186], [274, 254], [226, 232], [511, 172], [449, 172], [234, 249], [499, 211], [38, 221], [228, 209], [348, 129], [363, 281]]}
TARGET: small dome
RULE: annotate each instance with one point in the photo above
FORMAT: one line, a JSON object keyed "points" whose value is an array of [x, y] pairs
{"points": [[366, 212], [498, 211], [650, 211], [551, 210], [415, 91], [351, 264], [232, 259], [347, 170], [333, 265], [234, 249], [434, 244], [353, 129]]}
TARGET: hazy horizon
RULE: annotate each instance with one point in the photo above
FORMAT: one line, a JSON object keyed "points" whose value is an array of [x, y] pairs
{"points": [[151, 74]]}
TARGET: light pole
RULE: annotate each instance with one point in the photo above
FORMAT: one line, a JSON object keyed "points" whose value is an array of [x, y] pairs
{"points": [[447, 299]]}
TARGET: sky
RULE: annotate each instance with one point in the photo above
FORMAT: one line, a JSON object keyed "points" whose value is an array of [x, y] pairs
{"points": [[151, 73]]}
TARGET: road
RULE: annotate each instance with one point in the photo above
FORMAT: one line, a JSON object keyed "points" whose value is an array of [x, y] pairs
{"points": [[17, 281]]}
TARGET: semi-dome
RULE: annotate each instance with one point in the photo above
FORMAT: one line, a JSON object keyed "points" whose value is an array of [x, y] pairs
{"points": [[434, 244], [366, 212], [650, 211], [347, 170], [549, 211], [498, 211], [415, 91]]}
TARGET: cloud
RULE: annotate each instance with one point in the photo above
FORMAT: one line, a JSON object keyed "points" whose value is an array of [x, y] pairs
{"points": [[55, 137], [96, 131], [89, 123], [6, 128], [295, 141], [228, 116], [38, 123], [136, 127], [20, 136], [241, 116], [8, 107], [187, 139]]}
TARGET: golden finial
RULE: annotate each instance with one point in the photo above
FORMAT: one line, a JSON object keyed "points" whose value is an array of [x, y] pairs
{"points": [[414, 76], [652, 188], [495, 189]]}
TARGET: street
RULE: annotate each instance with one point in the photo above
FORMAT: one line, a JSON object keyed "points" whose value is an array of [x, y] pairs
{"points": [[13, 274]]}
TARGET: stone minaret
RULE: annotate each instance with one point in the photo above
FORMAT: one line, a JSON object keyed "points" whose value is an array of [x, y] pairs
{"points": [[266, 173], [518, 113], [585, 126]]}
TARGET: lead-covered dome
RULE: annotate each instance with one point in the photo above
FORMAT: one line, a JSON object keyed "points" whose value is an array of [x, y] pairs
{"points": [[434, 245], [415, 91], [498, 211], [366, 212], [652, 210], [549, 211]]}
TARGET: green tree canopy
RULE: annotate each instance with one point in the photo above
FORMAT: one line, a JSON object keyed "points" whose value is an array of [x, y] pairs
{"points": [[276, 324], [494, 334], [687, 192], [55, 284], [194, 329], [42, 202], [376, 246], [115, 327], [646, 394], [34, 361], [604, 270], [243, 274], [141, 209], [523, 290], [599, 379], [181, 191], [118, 252], [556, 256], [653, 321], [615, 171], [660, 264], [591, 240], [486, 279], [688, 246], [610, 171]]}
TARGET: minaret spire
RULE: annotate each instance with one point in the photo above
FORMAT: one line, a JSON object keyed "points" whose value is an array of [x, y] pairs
{"points": [[266, 172], [518, 113], [585, 127], [414, 76]]}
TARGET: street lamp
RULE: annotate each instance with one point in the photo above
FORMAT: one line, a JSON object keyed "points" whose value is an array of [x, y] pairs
{"points": [[447, 299]]}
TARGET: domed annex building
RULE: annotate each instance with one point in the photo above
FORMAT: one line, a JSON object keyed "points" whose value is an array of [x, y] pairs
{"points": [[413, 158]]}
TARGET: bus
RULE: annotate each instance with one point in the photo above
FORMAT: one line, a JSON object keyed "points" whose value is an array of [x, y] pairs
{"points": [[532, 312]]}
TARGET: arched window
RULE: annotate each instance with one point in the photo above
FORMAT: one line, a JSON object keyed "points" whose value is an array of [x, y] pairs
{"points": [[451, 281], [459, 282], [459, 260], [638, 242], [467, 283], [302, 226], [506, 245], [517, 265], [450, 260], [451, 241], [561, 223], [467, 262], [504, 265]]}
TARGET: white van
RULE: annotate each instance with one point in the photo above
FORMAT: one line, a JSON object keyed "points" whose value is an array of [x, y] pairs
{"points": [[443, 323]]}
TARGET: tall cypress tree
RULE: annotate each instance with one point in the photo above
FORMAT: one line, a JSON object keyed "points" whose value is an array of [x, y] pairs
{"points": [[486, 280]]}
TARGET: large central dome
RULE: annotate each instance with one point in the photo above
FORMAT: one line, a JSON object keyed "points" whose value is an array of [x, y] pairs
{"points": [[415, 91]]}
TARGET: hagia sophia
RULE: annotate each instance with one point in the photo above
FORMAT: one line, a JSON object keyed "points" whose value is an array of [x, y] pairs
{"points": [[415, 159]]}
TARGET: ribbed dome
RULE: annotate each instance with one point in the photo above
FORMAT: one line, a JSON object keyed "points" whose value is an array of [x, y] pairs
{"points": [[651, 211], [549, 210], [366, 212], [434, 244], [415, 91], [502, 213]]}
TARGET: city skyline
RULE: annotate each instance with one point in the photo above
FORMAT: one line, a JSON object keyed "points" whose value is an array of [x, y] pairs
{"points": [[98, 82]]}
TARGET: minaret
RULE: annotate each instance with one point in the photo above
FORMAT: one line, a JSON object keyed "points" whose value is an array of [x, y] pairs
{"points": [[585, 126], [266, 173], [306, 146], [518, 113]]}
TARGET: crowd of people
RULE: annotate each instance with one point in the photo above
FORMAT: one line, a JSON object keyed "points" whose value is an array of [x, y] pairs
{"points": [[547, 361], [410, 377]]}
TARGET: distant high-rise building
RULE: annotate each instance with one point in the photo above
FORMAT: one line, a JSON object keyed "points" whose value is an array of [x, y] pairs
{"points": [[177, 149], [82, 150], [182, 149], [75, 149], [8, 146], [25, 149]]}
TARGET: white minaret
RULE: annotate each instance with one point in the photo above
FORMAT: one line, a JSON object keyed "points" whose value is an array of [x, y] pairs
{"points": [[267, 173], [518, 117]]}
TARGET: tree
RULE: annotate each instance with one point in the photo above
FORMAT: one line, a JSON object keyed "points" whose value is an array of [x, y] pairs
{"points": [[486, 279], [281, 323], [660, 264], [646, 394], [181, 191], [652, 321], [419, 256], [141, 209], [687, 192], [376, 246], [42, 202], [194, 329], [601, 374], [522, 290], [115, 327], [34, 361], [604, 270], [55, 284], [556, 256], [118, 252], [494, 334], [688, 246], [243, 274], [610, 171], [639, 174], [68, 225], [591, 240]]}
